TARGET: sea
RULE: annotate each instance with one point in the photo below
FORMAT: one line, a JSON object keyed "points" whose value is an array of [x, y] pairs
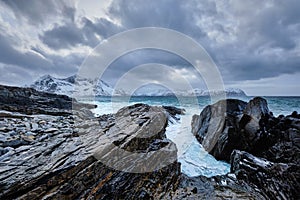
{"points": [[194, 159]]}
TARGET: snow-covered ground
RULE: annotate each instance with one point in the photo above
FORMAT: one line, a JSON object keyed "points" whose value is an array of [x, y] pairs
{"points": [[74, 86]]}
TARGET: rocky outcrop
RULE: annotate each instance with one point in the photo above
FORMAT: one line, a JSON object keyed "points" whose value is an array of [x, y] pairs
{"points": [[66, 157], [76, 156], [274, 180], [29, 101], [216, 128], [219, 187], [263, 150]]}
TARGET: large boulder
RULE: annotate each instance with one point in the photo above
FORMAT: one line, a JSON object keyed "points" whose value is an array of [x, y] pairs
{"points": [[216, 127], [231, 124], [256, 109]]}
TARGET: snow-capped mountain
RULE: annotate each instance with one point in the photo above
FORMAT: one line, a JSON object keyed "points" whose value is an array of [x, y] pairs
{"points": [[158, 90], [68, 86], [87, 87], [153, 90]]}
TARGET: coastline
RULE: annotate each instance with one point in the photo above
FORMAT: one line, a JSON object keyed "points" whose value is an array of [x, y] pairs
{"points": [[44, 153]]}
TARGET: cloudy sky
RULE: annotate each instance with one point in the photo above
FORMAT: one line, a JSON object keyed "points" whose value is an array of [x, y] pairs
{"points": [[254, 43]]}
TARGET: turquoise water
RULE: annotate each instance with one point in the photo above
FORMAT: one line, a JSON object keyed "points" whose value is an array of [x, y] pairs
{"points": [[193, 158], [278, 105]]}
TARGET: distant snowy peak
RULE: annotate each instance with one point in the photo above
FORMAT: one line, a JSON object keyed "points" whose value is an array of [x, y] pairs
{"points": [[158, 90], [87, 87], [153, 90], [51, 84], [79, 85]]}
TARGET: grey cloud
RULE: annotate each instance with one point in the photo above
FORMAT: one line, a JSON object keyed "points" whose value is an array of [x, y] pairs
{"points": [[65, 36], [33, 61], [126, 62], [249, 40], [38, 12], [12, 56], [71, 34], [173, 14], [132, 14], [270, 24]]}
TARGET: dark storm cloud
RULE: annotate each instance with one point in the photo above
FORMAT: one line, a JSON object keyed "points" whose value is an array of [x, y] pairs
{"points": [[276, 25], [132, 14], [249, 40], [258, 30], [173, 14], [71, 34], [266, 43], [65, 36], [132, 59]]}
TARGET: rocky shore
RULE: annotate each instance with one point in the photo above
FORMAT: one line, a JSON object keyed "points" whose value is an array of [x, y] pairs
{"points": [[52, 147], [263, 150]]}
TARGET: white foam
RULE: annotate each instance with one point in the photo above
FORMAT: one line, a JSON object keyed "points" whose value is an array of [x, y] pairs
{"points": [[194, 159]]}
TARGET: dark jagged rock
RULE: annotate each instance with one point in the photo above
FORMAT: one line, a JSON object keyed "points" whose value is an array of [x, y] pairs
{"points": [[29, 101], [173, 111], [219, 187], [274, 180], [216, 127], [269, 155], [242, 126]]}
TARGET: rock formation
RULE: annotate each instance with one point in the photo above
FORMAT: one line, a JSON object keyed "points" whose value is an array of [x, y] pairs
{"points": [[216, 127], [49, 152], [263, 150]]}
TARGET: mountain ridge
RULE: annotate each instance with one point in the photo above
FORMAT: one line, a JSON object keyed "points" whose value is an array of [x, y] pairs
{"points": [[87, 87]]}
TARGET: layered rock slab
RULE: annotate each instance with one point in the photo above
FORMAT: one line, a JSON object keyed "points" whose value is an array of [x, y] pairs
{"points": [[86, 163]]}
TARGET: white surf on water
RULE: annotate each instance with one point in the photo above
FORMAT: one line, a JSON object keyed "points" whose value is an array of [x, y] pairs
{"points": [[194, 159]]}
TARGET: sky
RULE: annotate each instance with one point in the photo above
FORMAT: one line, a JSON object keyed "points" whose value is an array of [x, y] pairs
{"points": [[255, 44]]}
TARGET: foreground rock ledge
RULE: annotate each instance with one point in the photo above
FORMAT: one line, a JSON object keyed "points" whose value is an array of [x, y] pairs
{"points": [[45, 155], [263, 150]]}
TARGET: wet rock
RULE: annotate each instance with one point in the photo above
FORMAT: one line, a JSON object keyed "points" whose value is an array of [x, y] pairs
{"points": [[256, 109], [274, 180], [264, 149], [73, 167], [14, 143], [50, 130], [173, 111], [220, 187], [216, 127]]}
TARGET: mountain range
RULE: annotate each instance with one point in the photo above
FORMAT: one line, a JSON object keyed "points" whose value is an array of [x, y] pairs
{"points": [[86, 87]]}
